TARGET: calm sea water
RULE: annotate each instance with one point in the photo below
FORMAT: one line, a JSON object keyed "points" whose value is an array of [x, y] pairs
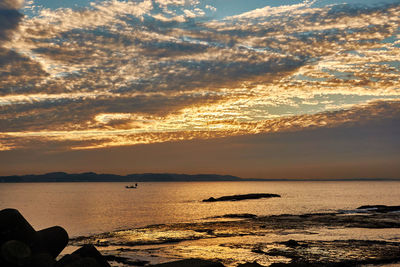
{"points": [[89, 208]]}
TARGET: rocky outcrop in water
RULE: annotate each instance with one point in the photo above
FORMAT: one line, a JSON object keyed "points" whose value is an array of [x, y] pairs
{"points": [[240, 197], [22, 246], [236, 216], [379, 208]]}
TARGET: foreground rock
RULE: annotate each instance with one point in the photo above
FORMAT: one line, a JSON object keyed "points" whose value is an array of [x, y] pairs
{"points": [[240, 197], [22, 246]]}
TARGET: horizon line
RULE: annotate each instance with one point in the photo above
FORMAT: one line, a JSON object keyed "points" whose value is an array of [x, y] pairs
{"points": [[234, 177]]}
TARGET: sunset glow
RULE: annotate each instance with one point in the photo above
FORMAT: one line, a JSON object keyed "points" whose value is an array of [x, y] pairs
{"points": [[103, 74]]}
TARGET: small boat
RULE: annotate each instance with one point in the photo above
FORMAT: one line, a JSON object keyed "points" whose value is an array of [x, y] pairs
{"points": [[131, 186]]}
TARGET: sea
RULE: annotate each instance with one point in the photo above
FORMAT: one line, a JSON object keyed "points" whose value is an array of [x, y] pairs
{"points": [[98, 207], [166, 221]]}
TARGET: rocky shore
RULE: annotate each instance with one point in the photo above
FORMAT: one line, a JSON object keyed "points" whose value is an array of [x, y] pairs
{"points": [[368, 235], [342, 238]]}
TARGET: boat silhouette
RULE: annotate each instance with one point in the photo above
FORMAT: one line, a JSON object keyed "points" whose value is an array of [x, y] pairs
{"points": [[131, 186]]}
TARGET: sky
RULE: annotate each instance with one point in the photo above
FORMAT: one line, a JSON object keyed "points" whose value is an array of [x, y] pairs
{"points": [[255, 88]]}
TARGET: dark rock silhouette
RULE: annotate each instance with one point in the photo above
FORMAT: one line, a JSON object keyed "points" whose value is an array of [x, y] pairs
{"points": [[379, 208], [191, 263], [237, 216], [22, 246], [249, 264], [240, 197], [292, 244], [87, 255]]}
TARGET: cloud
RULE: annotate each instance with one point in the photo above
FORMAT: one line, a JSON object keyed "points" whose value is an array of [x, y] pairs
{"points": [[156, 71], [124, 129], [15, 69], [81, 111], [9, 18], [369, 150], [269, 11]]}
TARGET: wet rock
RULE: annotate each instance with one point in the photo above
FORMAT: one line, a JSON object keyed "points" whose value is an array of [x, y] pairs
{"points": [[240, 197], [379, 208], [293, 244], [258, 251], [191, 263], [207, 231], [87, 254], [102, 244]]}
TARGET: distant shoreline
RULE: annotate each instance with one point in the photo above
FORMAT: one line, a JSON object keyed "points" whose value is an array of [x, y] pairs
{"points": [[62, 177]]}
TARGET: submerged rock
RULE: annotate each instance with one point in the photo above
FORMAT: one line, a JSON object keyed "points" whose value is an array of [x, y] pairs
{"points": [[240, 197]]}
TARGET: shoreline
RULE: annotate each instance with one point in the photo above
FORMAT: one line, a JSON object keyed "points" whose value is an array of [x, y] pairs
{"points": [[276, 240]]}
